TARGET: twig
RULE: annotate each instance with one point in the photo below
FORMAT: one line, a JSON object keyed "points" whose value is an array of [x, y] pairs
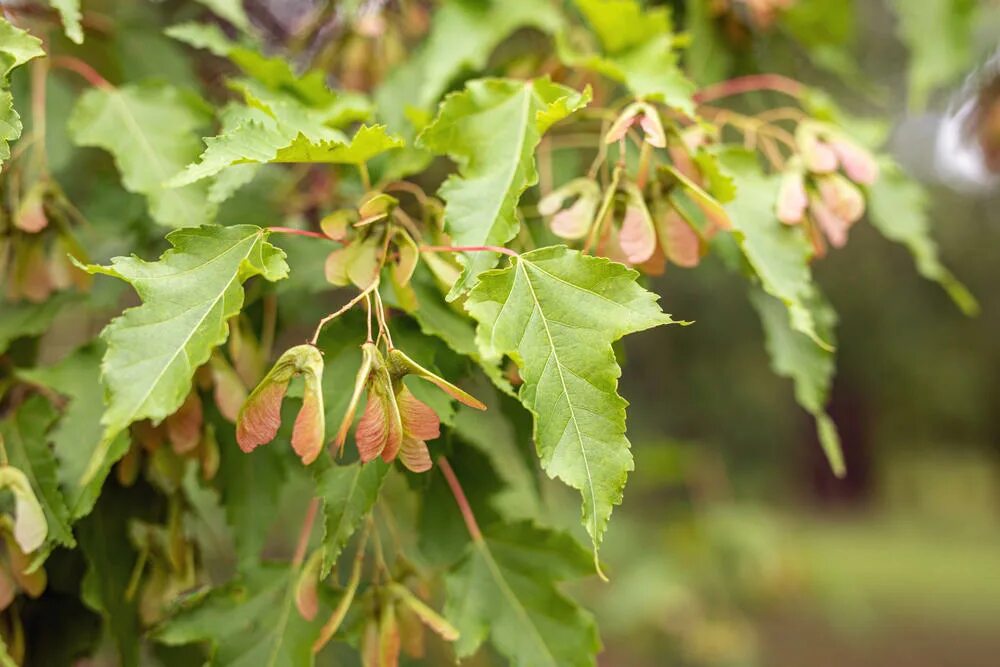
{"points": [[298, 232], [461, 500], [383, 326], [83, 69], [749, 84], [468, 248]]}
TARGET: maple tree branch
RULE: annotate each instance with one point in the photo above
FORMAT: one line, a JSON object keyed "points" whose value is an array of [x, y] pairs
{"points": [[340, 611], [460, 500], [749, 84], [469, 248], [76, 65], [298, 232]]}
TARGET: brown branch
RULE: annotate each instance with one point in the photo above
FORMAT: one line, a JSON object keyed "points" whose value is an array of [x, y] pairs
{"points": [[83, 69]]}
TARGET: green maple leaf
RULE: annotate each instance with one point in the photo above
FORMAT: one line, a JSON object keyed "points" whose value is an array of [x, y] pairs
{"points": [[898, 209], [27, 447], [251, 622], [779, 254], [639, 49], [279, 129], [810, 367], [556, 312], [188, 295], [504, 588], [78, 433], [492, 129], [149, 129], [16, 48], [348, 492]]}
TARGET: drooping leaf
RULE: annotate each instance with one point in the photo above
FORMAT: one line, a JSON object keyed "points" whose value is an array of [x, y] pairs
{"points": [[504, 589], [69, 12], [556, 313], [779, 254], [250, 622], [810, 367], [349, 493], [150, 130], [898, 209], [26, 442], [78, 433], [16, 48], [188, 296], [492, 129]]}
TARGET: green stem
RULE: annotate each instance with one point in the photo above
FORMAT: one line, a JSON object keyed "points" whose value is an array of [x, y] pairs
{"points": [[469, 248], [347, 306], [602, 213]]}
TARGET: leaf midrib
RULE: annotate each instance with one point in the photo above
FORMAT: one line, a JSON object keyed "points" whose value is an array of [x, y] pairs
{"points": [[147, 147], [152, 385], [565, 389]]}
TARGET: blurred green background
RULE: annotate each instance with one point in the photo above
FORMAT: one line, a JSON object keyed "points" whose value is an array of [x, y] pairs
{"points": [[735, 545]]}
